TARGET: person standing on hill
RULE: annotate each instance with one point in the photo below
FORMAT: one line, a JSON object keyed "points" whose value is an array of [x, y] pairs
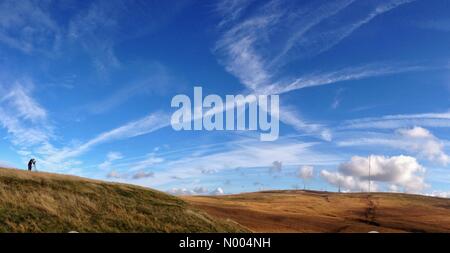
{"points": [[31, 163]]}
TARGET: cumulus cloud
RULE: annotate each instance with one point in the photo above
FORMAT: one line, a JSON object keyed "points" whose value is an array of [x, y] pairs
{"points": [[398, 171], [345, 182], [425, 144], [217, 191], [306, 172]]}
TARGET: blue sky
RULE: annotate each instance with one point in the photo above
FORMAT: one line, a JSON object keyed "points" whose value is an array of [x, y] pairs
{"points": [[86, 88]]}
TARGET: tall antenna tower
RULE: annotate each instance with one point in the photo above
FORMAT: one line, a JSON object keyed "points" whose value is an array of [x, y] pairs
{"points": [[369, 173]]}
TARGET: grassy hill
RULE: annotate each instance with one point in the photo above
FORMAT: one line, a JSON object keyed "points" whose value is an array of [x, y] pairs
{"points": [[44, 202], [309, 211]]}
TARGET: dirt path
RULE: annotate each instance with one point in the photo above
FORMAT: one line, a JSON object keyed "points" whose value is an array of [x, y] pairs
{"points": [[371, 212]]}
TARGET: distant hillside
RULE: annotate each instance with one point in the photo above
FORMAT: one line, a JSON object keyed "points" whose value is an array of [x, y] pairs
{"points": [[44, 202], [308, 211]]}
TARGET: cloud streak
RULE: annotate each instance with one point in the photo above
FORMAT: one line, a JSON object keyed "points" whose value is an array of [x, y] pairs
{"points": [[247, 51], [416, 140], [399, 121]]}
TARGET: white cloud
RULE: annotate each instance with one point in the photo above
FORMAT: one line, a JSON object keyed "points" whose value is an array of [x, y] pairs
{"points": [[110, 158], [401, 171], [23, 117], [180, 191], [291, 117], [145, 125], [248, 50], [195, 191], [149, 78], [146, 163], [27, 26], [19, 97], [416, 132], [346, 74], [103, 24], [324, 39], [345, 182], [244, 154], [231, 10], [217, 191], [29, 130], [306, 172], [423, 142], [416, 140], [399, 121], [337, 99]]}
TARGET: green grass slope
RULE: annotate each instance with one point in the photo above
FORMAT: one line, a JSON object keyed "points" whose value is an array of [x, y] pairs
{"points": [[44, 202]]}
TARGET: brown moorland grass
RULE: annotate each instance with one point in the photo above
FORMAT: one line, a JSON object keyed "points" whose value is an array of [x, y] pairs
{"points": [[45, 202], [312, 211]]}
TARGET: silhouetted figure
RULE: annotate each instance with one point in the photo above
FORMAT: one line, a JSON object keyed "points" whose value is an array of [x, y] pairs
{"points": [[31, 163]]}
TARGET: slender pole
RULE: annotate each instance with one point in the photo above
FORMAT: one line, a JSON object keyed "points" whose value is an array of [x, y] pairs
{"points": [[369, 173]]}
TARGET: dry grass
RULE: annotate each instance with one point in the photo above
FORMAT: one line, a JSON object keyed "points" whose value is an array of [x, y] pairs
{"points": [[308, 211], [44, 202]]}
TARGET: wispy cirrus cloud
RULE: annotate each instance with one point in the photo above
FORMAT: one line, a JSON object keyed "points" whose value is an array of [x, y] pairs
{"points": [[22, 116], [441, 119], [248, 51], [31, 132], [414, 140], [151, 78], [142, 126], [231, 10], [103, 24], [347, 74], [95, 27], [244, 48], [322, 38], [110, 158], [27, 26]]}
